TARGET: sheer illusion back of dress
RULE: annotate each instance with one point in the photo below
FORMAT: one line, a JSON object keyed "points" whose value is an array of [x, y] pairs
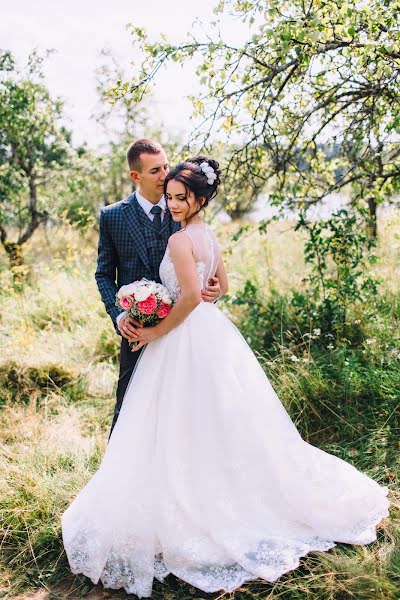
{"points": [[206, 255]]}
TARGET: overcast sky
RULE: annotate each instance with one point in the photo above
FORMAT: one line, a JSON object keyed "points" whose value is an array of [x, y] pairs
{"points": [[79, 29]]}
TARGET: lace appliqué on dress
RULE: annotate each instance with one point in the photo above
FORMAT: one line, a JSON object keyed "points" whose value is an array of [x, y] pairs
{"points": [[269, 559], [168, 275]]}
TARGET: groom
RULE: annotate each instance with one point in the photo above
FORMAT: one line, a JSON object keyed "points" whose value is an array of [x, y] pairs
{"points": [[132, 240]]}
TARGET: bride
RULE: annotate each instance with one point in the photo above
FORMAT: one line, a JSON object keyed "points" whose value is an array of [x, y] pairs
{"points": [[205, 475]]}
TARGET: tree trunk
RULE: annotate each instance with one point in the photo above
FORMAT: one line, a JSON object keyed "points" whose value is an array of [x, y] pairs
{"points": [[373, 224], [14, 252], [14, 249], [36, 218]]}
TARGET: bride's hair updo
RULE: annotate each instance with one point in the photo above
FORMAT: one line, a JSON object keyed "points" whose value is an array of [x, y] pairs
{"points": [[195, 178]]}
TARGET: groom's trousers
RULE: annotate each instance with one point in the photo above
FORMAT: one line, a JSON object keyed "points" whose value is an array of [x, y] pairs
{"points": [[127, 362]]}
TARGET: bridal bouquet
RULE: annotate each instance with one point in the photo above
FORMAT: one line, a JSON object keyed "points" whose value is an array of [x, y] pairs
{"points": [[145, 300]]}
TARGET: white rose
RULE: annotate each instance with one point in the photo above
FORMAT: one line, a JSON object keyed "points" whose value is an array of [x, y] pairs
{"points": [[127, 290], [160, 290], [152, 287], [166, 300], [142, 293]]}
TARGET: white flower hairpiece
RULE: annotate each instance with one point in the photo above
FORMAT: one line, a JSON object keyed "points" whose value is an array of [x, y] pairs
{"points": [[209, 172]]}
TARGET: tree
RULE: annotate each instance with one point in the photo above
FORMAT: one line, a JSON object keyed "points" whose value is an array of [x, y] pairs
{"points": [[34, 148], [313, 75]]}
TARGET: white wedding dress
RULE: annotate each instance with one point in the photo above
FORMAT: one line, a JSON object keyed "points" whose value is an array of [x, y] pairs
{"points": [[205, 475]]}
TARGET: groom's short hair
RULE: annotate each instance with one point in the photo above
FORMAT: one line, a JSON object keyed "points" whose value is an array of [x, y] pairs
{"points": [[142, 146]]}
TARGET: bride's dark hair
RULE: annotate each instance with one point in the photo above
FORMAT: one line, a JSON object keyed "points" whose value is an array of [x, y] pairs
{"points": [[194, 179]]}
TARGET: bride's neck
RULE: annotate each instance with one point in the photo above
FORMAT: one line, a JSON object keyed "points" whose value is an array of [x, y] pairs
{"points": [[195, 221]]}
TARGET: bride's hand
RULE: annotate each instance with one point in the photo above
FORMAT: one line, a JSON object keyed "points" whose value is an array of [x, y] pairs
{"points": [[145, 335]]}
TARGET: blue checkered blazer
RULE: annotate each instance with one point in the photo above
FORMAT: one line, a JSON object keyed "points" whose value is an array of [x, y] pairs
{"points": [[122, 251]]}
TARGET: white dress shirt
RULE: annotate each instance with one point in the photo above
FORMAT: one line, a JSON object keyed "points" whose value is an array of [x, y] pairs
{"points": [[147, 206]]}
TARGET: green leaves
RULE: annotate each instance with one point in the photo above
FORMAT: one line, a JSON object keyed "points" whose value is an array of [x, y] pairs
{"points": [[311, 96], [339, 252], [7, 62]]}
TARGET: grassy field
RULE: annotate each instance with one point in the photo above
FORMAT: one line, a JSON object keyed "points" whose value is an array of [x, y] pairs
{"points": [[58, 372]]}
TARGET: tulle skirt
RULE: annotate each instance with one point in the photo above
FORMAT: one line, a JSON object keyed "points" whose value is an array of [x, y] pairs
{"points": [[205, 475]]}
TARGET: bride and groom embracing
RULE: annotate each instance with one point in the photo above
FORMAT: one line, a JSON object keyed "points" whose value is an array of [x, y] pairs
{"points": [[205, 475]]}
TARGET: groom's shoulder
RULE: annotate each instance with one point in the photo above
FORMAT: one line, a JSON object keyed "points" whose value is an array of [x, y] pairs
{"points": [[114, 209]]}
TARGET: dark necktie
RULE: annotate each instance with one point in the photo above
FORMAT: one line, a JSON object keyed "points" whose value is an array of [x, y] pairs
{"points": [[156, 211]]}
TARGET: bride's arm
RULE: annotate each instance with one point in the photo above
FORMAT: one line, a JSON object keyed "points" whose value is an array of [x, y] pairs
{"points": [[180, 248]]}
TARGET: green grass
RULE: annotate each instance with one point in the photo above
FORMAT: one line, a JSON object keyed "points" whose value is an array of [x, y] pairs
{"points": [[57, 381]]}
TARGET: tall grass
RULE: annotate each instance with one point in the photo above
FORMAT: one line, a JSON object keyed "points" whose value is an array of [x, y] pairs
{"points": [[58, 372]]}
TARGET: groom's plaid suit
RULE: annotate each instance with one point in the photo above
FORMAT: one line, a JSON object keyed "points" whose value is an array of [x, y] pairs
{"points": [[129, 248]]}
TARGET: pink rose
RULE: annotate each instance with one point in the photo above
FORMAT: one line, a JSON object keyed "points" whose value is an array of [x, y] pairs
{"points": [[147, 307], [127, 302], [164, 310]]}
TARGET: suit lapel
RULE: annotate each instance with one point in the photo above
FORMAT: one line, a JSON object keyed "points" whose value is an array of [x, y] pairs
{"points": [[131, 214]]}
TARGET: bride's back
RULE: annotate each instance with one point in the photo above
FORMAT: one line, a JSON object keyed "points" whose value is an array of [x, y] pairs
{"points": [[205, 250], [206, 255]]}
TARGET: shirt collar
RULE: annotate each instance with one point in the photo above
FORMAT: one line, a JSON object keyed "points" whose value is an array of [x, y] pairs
{"points": [[147, 205]]}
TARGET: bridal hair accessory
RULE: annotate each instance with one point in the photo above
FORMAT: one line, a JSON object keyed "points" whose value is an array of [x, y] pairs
{"points": [[209, 172]]}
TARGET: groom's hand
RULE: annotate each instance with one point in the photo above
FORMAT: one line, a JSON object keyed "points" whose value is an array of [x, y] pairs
{"points": [[212, 291], [128, 327]]}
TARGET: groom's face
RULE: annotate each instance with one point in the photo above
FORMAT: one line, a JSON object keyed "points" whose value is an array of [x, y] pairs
{"points": [[153, 170]]}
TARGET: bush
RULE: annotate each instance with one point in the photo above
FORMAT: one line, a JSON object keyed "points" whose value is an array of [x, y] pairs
{"points": [[20, 383]]}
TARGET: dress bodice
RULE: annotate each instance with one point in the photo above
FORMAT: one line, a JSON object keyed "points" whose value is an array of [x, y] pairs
{"points": [[206, 256]]}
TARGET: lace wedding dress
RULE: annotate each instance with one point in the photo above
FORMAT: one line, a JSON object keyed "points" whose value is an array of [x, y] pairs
{"points": [[205, 475]]}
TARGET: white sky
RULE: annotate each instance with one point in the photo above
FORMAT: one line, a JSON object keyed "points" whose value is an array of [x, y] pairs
{"points": [[79, 29]]}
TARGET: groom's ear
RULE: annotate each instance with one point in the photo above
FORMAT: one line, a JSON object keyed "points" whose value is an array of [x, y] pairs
{"points": [[134, 175]]}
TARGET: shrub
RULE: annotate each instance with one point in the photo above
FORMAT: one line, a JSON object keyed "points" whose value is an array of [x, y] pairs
{"points": [[19, 383]]}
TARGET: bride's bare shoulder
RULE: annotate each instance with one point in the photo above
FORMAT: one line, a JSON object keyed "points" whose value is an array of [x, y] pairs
{"points": [[179, 240]]}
